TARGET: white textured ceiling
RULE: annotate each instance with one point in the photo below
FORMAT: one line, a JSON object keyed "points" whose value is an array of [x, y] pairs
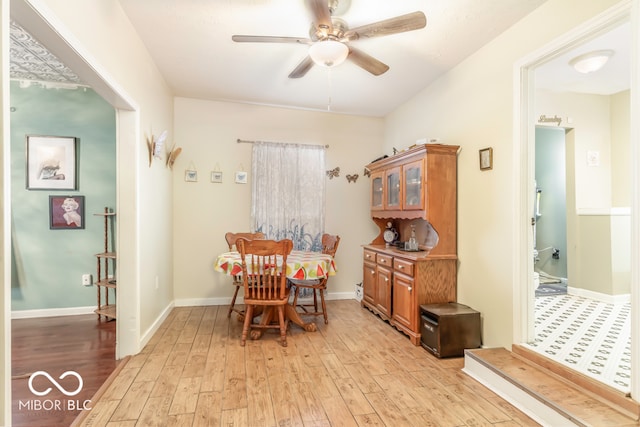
{"points": [[190, 41]]}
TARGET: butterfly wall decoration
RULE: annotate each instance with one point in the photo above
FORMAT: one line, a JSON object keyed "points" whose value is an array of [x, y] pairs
{"points": [[155, 146], [333, 173], [352, 178], [172, 155]]}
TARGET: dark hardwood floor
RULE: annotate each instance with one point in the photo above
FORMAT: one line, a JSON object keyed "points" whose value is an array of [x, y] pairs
{"points": [[55, 345]]}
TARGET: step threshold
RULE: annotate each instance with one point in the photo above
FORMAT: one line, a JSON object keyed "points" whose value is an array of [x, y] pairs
{"points": [[539, 394]]}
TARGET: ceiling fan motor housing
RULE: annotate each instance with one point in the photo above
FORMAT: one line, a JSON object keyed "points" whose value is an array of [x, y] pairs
{"points": [[339, 27]]}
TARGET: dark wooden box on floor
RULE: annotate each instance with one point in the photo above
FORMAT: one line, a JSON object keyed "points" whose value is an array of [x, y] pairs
{"points": [[448, 329]]}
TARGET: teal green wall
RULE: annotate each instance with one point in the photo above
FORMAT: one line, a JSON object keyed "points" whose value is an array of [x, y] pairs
{"points": [[48, 264]]}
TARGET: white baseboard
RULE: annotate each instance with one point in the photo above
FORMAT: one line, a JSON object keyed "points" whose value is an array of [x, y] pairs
{"points": [[598, 296], [341, 295], [51, 312], [186, 302], [197, 302], [146, 337]]}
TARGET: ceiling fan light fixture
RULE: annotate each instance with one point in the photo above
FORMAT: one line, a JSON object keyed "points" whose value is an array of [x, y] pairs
{"points": [[328, 53], [592, 61]]}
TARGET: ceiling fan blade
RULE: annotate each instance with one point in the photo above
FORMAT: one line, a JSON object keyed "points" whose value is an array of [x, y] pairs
{"points": [[399, 24], [302, 68], [321, 16], [269, 39], [367, 62]]}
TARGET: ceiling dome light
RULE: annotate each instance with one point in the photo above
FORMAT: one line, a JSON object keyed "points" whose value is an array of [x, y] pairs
{"points": [[328, 53], [592, 61]]}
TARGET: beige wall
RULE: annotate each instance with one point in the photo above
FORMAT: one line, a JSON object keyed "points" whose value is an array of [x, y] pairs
{"points": [[472, 106], [621, 150], [203, 211], [603, 261], [590, 118]]}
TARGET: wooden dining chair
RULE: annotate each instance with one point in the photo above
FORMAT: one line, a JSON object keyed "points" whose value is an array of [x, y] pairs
{"points": [[237, 280], [329, 246], [264, 268]]}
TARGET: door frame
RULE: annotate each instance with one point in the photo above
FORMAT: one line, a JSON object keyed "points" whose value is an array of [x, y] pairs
{"points": [[524, 171], [44, 25]]}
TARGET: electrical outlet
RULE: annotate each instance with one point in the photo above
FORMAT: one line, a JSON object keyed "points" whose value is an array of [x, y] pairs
{"points": [[86, 280]]}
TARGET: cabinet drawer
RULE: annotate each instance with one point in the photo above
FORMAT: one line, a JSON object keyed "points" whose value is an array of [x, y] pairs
{"points": [[403, 266], [369, 256], [385, 260]]}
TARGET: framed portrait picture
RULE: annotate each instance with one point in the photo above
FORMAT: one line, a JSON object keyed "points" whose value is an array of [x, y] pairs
{"points": [[216, 176], [66, 212], [241, 177], [51, 163], [190, 175], [486, 159]]}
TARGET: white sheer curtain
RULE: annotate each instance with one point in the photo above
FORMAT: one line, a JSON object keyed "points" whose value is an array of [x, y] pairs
{"points": [[288, 193]]}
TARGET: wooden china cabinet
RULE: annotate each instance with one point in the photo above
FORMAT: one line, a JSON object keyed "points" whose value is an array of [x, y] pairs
{"points": [[412, 190]]}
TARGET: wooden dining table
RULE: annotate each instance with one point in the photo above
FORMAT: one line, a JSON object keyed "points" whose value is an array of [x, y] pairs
{"points": [[301, 265]]}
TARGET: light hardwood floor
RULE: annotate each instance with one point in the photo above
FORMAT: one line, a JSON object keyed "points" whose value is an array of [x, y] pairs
{"points": [[355, 371]]}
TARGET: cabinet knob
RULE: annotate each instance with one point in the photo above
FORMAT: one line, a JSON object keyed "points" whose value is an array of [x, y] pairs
{"points": [[401, 267], [373, 272], [382, 261], [410, 288], [386, 279]]}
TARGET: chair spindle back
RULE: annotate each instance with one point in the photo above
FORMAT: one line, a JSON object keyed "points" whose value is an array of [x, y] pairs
{"points": [[264, 264]]}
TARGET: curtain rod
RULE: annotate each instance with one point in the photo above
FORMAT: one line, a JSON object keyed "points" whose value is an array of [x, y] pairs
{"points": [[244, 141]]}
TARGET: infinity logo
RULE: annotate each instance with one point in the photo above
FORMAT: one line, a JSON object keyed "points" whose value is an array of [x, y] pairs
{"points": [[55, 383]]}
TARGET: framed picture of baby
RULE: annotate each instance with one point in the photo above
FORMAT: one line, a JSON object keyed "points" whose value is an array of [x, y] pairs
{"points": [[51, 163], [66, 212]]}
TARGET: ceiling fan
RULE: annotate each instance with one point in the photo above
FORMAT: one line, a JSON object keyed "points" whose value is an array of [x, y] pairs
{"points": [[330, 36]]}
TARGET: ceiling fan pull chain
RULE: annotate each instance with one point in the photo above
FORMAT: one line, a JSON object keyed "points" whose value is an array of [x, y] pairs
{"points": [[330, 87]]}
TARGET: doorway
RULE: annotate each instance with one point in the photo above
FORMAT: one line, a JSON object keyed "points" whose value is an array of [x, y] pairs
{"points": [[532, 110], [582, 319], [39, 24], [550, 211]]}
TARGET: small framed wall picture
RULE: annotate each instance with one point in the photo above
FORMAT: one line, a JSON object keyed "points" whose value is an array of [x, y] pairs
{"points": [[51, 163], [241, 177], [216, 176], [66, 212], [486, 159], [190, 175]]}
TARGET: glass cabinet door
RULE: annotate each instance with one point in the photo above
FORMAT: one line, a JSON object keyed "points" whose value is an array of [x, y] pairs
{"points": [[377, 191], [393, 189], [413, 181]]}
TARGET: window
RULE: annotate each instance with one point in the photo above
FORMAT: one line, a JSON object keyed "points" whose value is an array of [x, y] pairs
{"points": [[288, 192]]}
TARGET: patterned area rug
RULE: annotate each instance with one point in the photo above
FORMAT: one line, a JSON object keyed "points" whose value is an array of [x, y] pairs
{"points": [[588, 336]]}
